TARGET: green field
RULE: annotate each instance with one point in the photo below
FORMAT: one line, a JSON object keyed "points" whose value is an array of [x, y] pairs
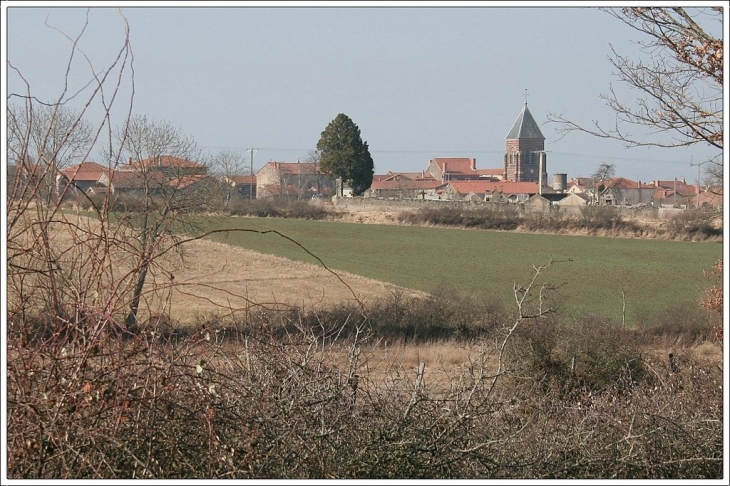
{"points": [[656, 274]]}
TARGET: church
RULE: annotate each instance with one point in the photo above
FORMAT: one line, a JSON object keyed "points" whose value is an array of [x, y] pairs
{"points": [[525, 159], [523, 174]]}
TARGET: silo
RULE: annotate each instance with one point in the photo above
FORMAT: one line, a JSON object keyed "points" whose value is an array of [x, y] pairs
{"points": [[560, 182]]}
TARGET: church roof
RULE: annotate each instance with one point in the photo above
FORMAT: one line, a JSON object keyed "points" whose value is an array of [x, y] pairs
{"points": [[525, 127]]}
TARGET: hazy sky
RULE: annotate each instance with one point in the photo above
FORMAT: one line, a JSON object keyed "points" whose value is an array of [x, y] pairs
{"points": [[420, 82]]}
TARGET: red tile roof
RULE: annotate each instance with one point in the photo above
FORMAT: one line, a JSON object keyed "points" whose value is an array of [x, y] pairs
{"points": [[623, 183], [668, 184], [409, 175], [405, 184], [405, 176], [580, 182], [490, 187], [164, 161], [710, 198], [185, 181], [134, 179], [85, 171], [241, 179], [456, 164]]}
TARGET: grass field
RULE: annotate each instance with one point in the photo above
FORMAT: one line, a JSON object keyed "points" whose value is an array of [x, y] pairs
{"points": [[655, 274]]}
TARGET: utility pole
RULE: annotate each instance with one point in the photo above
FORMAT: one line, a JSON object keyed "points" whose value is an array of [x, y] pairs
{"points": [[250, 184], [698, 179]]}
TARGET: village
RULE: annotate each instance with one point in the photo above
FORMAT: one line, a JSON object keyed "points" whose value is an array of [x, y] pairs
{"points": [[523, 179]]}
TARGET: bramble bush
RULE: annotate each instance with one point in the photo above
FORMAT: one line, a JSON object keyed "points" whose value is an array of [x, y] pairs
{"points": [[244, 401]]}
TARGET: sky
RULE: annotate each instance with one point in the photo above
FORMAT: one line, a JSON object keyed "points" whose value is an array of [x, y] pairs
{"points": [[423, 81]]}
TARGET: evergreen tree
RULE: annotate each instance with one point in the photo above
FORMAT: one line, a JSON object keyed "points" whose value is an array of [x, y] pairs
{"points": [[345, 155]]}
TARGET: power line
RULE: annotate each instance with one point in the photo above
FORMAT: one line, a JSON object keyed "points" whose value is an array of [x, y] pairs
{"points": [[472, 152], [635, 159]]}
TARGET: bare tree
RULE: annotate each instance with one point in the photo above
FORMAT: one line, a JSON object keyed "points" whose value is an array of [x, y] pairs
{"points": [[604, 173], [681, 83], [162, 161], [43, 139], [48, 278], [226, 165], [313, 157]]}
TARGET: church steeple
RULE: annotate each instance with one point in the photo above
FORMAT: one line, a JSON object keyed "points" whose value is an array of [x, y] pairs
{"points": [[525, 159], [525, 127]]}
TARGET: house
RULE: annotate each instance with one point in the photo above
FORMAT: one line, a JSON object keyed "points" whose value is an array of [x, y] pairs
{"points": [[710, 198], [155, 175], [167, 165], [495, 191], [403, 185], [545, 202], [342, 188], [674, 193], [619, 191], [460, 168], [133, 182], [244, 186], [572, 203], [301, 180], [580, 185], [538, 204], [82, 177]]}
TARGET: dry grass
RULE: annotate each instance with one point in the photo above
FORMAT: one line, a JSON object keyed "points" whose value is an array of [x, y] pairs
{"points": [[215, 279], [218, 278]]}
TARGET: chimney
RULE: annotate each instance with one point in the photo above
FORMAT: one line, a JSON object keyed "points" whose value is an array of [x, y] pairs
{"points": [[130, 161], [473, 164]]}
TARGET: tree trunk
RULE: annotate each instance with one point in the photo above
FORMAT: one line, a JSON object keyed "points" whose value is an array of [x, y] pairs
{"points": [[136, 296]]}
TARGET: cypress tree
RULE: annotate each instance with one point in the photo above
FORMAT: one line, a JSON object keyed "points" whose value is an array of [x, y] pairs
{"points": [[344, 154]]}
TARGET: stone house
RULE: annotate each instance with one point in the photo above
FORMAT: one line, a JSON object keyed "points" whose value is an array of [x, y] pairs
{"points": [[300, 180], [494, 191], [403, 186], [460, 168]]}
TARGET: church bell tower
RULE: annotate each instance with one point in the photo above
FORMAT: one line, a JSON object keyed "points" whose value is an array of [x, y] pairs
{"points": [[525, 159]]}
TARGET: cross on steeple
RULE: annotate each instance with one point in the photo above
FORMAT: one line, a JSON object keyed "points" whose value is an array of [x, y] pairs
{"points": [[525, 96]]}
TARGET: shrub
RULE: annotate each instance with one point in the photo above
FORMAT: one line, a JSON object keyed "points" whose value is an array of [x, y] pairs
{"points": [[693, 225], [591, 353], [498, 217], [279, 208], [445, 314], [684, 324], [601, 217]]}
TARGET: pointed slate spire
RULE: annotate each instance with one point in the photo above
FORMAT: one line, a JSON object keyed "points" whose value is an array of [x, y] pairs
{"points": [[525, 127]]}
